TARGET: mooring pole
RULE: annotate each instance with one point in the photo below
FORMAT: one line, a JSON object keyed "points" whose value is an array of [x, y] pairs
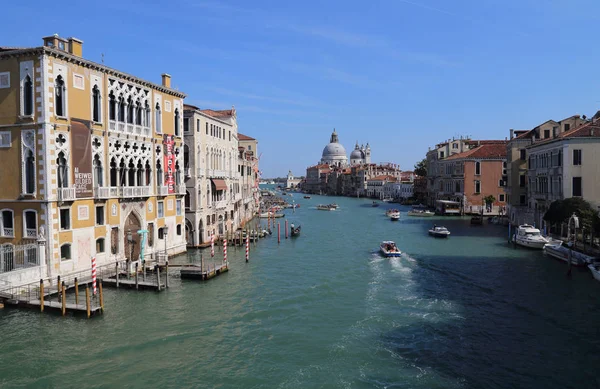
{"points": [[286, 228], [101, 297], [136, 276], [87, 301], [76, 292], [64, 300], [41, 295], [278, 232], [167, 274], [157, 278], [117, 273]]}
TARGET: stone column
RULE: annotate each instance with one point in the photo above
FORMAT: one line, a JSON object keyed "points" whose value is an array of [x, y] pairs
{"points": [[41, 253]]}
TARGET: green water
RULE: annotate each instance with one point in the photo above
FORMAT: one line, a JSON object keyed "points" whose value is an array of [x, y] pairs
{"points": [[324, 310]]}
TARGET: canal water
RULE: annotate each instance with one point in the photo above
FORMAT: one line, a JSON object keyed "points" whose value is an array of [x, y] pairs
{"points": [[324, 310]]}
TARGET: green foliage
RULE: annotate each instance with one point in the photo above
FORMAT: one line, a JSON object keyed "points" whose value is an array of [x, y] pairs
{"points": [[421, 168], [561, 210], [489, 199]]}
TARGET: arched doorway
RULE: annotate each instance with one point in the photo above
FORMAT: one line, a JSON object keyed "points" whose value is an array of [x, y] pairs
{"points": [[133, 225], [189, 232], [201, 232]]}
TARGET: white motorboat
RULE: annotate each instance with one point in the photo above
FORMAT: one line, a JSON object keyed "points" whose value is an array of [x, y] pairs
{"points": [[439, 232], [557, 250], [322, 207], [529, 236], [595, 269], [266, 215], [388, 249], [394, 215]]}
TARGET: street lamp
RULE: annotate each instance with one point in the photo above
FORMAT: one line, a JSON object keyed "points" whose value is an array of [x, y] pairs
{"points": [[165, 232]]}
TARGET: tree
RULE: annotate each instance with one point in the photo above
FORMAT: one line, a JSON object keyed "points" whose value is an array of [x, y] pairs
{"points": [[561, 210], [489, 200], [421, 168]]}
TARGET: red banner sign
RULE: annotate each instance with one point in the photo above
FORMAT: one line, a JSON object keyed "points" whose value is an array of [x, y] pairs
{"points": [[169, 142]]}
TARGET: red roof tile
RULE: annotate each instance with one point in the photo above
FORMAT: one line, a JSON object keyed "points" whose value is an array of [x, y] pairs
{"points": [[244, 137], [383, 177], [218, 114], [586, 130], [494, 150]]}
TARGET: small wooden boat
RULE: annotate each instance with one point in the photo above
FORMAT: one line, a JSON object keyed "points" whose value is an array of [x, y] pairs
{"points": [[388, 249], [295, 231], [307, 197], [477, 220], [595, 269], [439, 232]]}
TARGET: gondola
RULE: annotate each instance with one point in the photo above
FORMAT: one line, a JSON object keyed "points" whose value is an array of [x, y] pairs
{"points": [[295, 231]]}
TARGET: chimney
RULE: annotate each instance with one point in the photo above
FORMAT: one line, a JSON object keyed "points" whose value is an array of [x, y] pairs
{"points": [[512, 133], [166, 80], [75, 46]]}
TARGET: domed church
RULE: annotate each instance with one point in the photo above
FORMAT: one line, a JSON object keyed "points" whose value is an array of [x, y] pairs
{"points": [[334, 154]]}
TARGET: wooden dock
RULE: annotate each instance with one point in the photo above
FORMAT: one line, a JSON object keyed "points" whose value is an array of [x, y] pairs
{"points": [[198, 273], [57, 306], [133, 284]]}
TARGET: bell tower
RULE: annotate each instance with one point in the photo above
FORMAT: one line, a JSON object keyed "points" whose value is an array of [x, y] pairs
{"points": [[334, 137]]}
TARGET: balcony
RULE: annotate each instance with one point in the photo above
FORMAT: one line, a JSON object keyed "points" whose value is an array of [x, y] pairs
{"points": [[121, 126], [135, 191], [8, 232], [31, 233], [146, 131], [102, 192], [221, 204], [200, 172], [163, 190], [112, 125], [213, 173], [130, 128], [66, 194]]}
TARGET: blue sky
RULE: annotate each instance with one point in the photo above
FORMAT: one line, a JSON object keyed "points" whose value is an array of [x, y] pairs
{"points": [[400, 74]]}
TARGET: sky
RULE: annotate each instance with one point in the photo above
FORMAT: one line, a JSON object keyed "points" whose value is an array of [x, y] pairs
{"points": [[402, 75]]}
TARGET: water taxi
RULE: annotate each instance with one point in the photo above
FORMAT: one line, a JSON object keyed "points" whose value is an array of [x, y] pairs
{"points": [[266, 215], [322, 207], [393, 214], [388, 249], [529, 236], [420, 212], [439, 232]]}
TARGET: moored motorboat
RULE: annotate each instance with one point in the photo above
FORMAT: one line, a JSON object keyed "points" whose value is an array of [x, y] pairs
{"points": [[595, 269], [266, 215], [439, 232], [420, 212], [557, 250], [307, 197], [529, 236], [295, 231], [388, 249], [334, 205]]}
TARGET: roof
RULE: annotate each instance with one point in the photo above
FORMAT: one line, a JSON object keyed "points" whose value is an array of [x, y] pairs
{"points": [[321, 166], [244, 137], [17, 51], [219, 114], [494, 150], [383, 177], [586, 130]]}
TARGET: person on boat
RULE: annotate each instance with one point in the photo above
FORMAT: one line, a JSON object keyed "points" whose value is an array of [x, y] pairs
{"points": [[292, 226]]}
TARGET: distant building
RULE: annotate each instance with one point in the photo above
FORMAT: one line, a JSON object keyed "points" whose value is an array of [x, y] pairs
{"points": [[292, 182]]}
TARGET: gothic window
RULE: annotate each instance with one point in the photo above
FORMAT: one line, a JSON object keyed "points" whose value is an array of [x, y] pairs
{"points": [[27, 96], [113, 173], [30, 223], [138, 113], [158, 119], [148, 171], [121, 108], [63, 171], [29, 172], [59, 96], [112, 107], [159, 174], [187, 200], [147, 121], [177, 129], [122, 173], [131, 175], [98, 179], [130, 109], [186, 156], [96, 104], [477, 168], [140, 174]]}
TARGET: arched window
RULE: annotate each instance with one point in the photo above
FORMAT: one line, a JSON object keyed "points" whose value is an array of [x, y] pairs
{"points": [[113, 173], [122, 173], [121, 108], [147, 121], [148, 170], [63, 171], [30, 223], [8, 223], [187, 200], [130, 109], [159, 174], [98, 172], [65, 252], [186, 156], [177, 129], [158, 119], [59, 96], [112, 107], [131, 175], [100, 245], [27, 96], [140, 174], [161, 233], [477, 168], [96, 104], [138, 113], [29, 172]]}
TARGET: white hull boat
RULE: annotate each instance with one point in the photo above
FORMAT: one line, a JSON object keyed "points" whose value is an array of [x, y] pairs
{"points": [[529, 236], [388, 249], [420, 213], [325, 208], [558, 251], [439, 232], [395, 216], [595, 269], [266, 215]]}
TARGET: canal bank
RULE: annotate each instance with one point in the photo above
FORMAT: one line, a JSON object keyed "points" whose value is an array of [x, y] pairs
{"points": [[325, 310]]}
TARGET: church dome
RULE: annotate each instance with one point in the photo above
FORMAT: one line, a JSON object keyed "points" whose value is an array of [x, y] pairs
{"points": [[334, 150], [357, 154]]}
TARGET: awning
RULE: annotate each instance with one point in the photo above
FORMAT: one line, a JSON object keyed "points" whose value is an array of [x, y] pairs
{"points": [[219, 183]]}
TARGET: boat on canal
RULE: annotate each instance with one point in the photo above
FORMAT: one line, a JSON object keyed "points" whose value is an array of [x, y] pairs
{"points": [[420, 212], [375, 204], [557, 250], [389, 249], [325, 207], [595, 269], [439, 232], [266, 215], [393, 214], [307, 197], [529, 236], [295, 231]]}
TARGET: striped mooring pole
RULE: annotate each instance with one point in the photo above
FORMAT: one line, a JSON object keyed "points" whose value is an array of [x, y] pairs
{"points": [[225, 250], [94, 274], [212, 244], [247, 247]]}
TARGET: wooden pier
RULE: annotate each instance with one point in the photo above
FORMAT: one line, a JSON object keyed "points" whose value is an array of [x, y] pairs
{"points": [[198, 273]]}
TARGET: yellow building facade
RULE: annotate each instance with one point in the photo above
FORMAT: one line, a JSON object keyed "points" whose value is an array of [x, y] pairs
{"points": [[89, 155]]}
